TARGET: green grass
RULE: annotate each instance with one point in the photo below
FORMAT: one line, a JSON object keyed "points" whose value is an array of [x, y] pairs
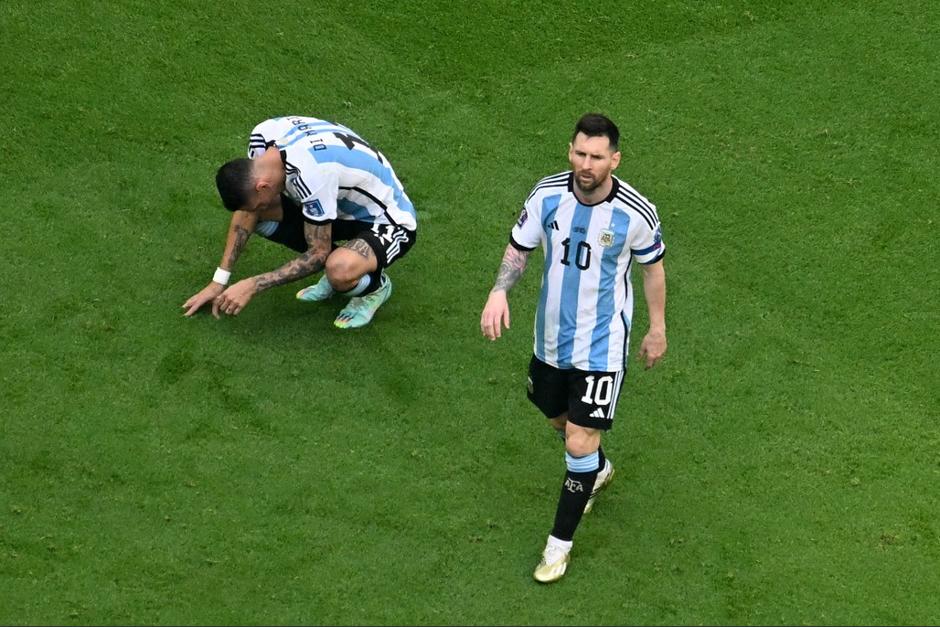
{"points": [[779, 467]]}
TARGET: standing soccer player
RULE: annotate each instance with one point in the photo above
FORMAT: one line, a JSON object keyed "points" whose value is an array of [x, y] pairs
{"points": [[591, 226], [308, 184]]}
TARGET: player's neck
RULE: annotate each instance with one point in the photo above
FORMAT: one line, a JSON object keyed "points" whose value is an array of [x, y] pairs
{"points": [[596, 195], [272, 168]]}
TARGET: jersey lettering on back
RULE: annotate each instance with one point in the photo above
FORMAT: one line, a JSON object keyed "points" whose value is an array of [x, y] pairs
{"points": [[333, 173]]}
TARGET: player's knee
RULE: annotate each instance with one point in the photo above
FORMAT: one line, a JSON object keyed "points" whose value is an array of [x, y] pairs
{"points": [[341, 271], [581, 442]]}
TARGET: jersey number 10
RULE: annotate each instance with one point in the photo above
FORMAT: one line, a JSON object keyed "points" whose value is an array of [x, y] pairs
{"points": [[582, 257]]}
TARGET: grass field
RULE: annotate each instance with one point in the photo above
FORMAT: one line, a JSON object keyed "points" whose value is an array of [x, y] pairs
{"points": [[779, 467]]}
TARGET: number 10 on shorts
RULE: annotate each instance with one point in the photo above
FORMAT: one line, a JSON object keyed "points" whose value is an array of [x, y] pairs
{"points": [[599, 390]]}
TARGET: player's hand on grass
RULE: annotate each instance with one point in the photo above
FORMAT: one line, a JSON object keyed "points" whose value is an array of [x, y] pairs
{"points": [[653, 348], [207, 294], [495, 314], [234, 299]]}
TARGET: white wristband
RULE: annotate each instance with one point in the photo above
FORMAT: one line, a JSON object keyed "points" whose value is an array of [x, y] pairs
{"points": [[221, 276]]}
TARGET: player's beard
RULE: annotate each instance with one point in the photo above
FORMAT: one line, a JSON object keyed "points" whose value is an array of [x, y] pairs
{"points": [[589, 187]]}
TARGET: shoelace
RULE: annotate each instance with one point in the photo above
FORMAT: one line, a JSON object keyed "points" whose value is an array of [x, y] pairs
{"points": [[553, 554]]}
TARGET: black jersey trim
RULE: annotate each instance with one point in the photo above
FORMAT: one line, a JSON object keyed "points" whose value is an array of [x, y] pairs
{"points": [[642, 206], [318, 222], [561, 176], [378, 202], [649, 216], [639, 202], [614, 188], [301, 187], [367, 195], [518, 246], [298, 182], [556, 180], [623, 315], [658, 258]]}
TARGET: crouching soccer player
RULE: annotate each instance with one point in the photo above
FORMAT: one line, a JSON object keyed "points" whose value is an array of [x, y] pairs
{"points": [[310, 184]]}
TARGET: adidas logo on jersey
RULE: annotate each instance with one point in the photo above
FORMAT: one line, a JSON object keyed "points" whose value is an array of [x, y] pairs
{"points": [[554, 225], [597, 413]]}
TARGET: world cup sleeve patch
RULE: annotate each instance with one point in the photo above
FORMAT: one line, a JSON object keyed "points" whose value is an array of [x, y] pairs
{"points": [[313, 208], [522, 218]]}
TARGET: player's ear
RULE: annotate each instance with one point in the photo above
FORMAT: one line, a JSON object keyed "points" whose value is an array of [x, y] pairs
{"points": [[615, 160]]}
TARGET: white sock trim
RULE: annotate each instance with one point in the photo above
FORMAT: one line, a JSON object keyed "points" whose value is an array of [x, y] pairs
{"points": [[364, 282]]}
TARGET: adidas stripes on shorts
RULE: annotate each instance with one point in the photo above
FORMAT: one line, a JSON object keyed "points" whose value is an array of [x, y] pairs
{"points": [[388, 241], [589, 398]]}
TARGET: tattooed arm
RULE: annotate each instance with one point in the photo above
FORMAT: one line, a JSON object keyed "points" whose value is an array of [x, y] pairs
{"points": [[319, 242], [496, 311], [511, 268], [240, 229]]}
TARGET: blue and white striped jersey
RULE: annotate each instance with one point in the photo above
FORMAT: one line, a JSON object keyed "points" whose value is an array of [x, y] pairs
{"points": [[334, 173], [585, 307]]}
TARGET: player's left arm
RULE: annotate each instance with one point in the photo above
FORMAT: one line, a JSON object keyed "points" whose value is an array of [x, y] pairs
{"points": [[319, 242], [653, 346]]}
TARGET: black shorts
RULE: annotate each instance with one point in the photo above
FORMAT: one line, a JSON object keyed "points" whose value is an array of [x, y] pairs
{"points": [[588, 397], [388, 241]]}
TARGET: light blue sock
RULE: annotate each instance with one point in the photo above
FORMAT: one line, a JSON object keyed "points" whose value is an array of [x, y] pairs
{"points": [[588, 463]]}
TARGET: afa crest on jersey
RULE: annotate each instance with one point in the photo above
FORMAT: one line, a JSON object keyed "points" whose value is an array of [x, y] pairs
{"points": [[606, 238]]}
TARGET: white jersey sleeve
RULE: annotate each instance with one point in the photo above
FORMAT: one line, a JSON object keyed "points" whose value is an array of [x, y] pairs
{"points": [[317, 189], [648, 247], [527, 232], [646, 239]]}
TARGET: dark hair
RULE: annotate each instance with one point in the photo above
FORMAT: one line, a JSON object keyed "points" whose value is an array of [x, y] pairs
{"points": [[233, 180], [597, 125]]}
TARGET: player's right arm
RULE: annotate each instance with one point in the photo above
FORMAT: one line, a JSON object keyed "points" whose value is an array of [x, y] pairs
{"points": [[235, 298], [240, 228], [496, 311], [526, 235]]}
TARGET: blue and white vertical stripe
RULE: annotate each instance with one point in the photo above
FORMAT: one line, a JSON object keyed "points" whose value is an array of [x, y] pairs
{"points": [[585, 305]]}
